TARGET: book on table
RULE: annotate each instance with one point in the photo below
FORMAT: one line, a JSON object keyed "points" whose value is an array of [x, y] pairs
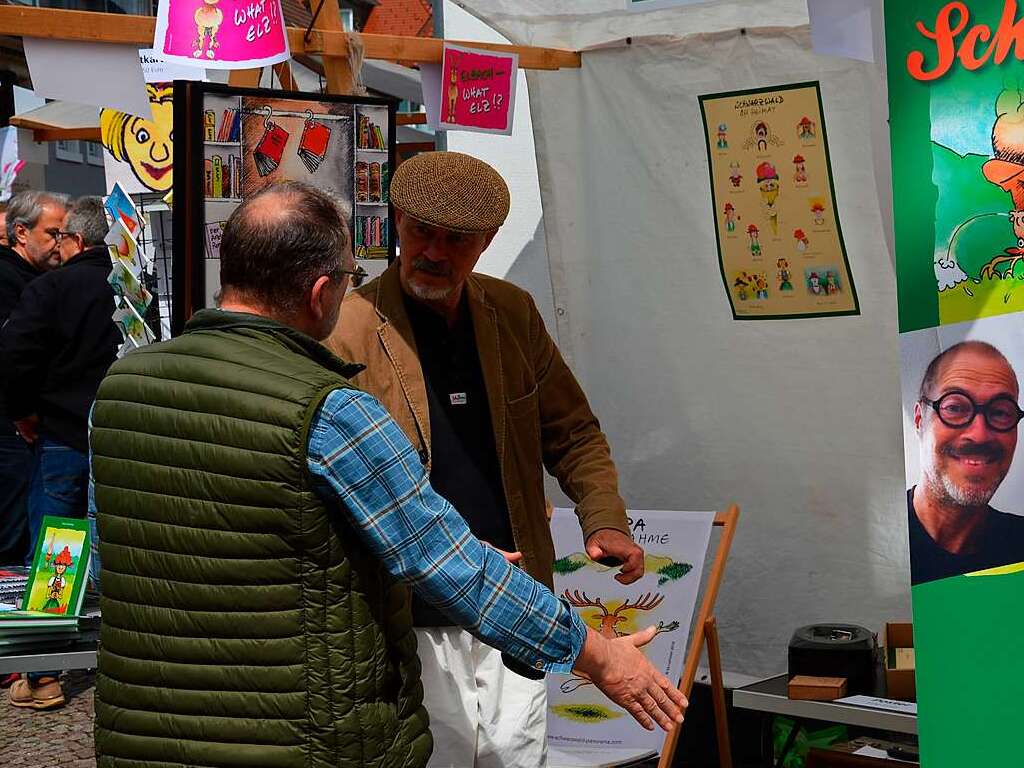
{"points": [[55, 588]]}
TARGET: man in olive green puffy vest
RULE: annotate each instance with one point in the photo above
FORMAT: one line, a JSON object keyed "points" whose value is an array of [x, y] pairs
{"points": [[259, 519]]}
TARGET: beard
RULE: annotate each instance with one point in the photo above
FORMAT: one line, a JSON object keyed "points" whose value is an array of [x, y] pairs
{"points": [[945, 488], [429, 292]]}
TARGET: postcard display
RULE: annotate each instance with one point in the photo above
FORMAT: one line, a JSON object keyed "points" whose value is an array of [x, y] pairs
{"points": [[239, 141]]}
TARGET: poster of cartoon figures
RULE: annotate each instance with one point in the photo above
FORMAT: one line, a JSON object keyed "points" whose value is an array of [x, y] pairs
{"points": [[780, 245], [580, 718]]}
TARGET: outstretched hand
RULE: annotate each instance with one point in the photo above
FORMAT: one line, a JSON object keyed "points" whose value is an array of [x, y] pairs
{"points": [[609, 542], [624, 675]]}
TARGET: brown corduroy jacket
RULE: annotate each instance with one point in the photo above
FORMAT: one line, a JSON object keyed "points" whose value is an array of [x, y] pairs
{"points": [[540, 415]]}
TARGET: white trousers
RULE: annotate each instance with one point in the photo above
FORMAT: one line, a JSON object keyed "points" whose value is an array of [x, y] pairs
{"points": [[482, 715]]}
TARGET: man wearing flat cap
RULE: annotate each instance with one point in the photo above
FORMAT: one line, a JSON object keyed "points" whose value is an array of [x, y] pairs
{"points": [[465, 366]]}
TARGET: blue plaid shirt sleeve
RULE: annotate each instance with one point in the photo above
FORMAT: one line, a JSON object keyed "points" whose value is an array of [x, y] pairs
{"points": [[359, 456]]}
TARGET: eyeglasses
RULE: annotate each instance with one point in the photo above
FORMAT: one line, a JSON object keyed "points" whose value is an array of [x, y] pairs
{"points": [[957, 410], [357, 275], [59, 235]]}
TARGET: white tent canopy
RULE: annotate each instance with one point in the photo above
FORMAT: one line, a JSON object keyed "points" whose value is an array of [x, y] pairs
{"points": [[581, 24], [798, 421]]}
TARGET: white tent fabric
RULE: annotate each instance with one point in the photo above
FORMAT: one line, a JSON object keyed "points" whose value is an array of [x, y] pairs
{"points": [[580, 24], [798, 421]]}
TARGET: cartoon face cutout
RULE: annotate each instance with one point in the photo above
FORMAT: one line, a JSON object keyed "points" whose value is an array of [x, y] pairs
{"points": [[146, 145]]}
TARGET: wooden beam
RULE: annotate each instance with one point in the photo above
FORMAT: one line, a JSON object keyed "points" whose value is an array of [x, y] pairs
{"points": [[284, 74], [66, 134], [245, 78], [87, 26], [411, 118], [338, 74]]}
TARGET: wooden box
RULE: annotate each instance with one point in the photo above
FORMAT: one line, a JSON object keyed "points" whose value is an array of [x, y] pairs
{"points": [[899, 683], [817, 688]]}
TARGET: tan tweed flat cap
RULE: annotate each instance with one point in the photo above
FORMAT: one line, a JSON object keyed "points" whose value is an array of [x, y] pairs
{"points": [[451, 190]]}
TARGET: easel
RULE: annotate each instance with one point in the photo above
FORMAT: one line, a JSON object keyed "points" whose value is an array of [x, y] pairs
{"points": [[706, 628]]}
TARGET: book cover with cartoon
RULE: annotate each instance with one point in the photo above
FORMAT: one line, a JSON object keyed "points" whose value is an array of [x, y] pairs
{"points": [[60, 567]]}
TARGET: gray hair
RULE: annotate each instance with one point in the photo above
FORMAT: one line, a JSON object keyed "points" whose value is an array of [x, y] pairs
{"points": [[87, 218], [25, 208]]}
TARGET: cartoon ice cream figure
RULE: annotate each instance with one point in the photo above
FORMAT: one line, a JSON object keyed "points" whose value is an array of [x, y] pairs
{"points": [[799, 170], [802, 243], [734, 174], [768, 183], [55, 586], [784, 275], [723, 136], [208, 19], [818, 211], [814, 284], [730, 217], [806, 129], [831, 283], [755, 245]]}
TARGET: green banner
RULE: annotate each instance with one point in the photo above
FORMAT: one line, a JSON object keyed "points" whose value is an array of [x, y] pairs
{"points": [[956, 98]]}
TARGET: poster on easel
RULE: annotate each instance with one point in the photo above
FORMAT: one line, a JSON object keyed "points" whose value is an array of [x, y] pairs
{"points": [[242, 140], [584, 726], [956, 98], [780, 243]]}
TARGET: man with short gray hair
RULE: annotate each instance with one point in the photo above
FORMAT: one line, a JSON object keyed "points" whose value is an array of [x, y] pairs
{"points": [[33, 221], [30, 223]]}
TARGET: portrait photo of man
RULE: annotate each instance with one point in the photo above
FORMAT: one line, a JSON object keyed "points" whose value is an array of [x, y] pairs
{"points": [[966, 419]]}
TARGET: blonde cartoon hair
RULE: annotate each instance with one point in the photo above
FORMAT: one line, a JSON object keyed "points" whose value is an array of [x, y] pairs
{"points": [[114, 123]]}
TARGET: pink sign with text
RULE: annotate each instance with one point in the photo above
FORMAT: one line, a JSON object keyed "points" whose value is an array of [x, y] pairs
{"points": [[478, 90], [221, 34]]}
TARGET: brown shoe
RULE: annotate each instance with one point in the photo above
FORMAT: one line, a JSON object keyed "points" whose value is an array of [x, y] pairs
{"points": [[46, 694]]}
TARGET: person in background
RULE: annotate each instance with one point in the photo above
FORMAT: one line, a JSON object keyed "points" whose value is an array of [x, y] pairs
{"points": [[464, 364], [58, 343], [260, 520], [31, 223], [4, 242]]}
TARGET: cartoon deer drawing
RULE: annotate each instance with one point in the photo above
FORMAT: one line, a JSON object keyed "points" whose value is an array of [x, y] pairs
{"points": [[610, 621]]}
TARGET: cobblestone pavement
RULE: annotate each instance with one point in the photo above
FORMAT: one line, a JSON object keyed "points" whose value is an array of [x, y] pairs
{"points": [[60, 737]]}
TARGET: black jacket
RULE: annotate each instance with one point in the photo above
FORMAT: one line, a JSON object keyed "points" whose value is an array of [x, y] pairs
{"points": [[15, 274], [58, 344]]}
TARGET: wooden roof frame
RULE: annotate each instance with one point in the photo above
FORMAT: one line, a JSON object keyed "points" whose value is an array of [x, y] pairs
{"points": [[88, 26], [326, 39]]}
